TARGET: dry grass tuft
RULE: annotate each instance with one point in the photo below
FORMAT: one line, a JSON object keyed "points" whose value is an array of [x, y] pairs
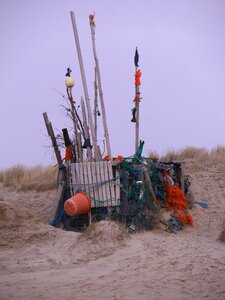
{"points": [[21, 178], [153, 155], [199, 155], [170, 155], [217, 154]]}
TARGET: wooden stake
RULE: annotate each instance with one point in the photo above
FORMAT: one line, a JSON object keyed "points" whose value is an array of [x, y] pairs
{"points": [[52, 136], [86, 129], [96, 106], [79, 146], [106, 134], [87, 99]]}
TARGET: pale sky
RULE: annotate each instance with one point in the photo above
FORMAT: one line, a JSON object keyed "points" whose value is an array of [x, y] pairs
{"points": [[182, 57]]}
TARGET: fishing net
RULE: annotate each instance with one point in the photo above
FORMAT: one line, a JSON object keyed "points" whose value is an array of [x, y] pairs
{"points": [[176, 201]]}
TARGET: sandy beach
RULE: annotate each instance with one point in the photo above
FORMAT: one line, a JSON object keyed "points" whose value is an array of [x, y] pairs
{"points": [[38, 261]]}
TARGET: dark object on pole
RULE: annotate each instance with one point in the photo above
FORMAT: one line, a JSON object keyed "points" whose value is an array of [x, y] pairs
{"points": [[87, 143], [134, 115], [66, 137], [136, 58], [68, 72]]}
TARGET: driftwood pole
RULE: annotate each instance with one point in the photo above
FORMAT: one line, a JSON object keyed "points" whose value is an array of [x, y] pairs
{"points": [[137, 98], [87, 99], [96, 112], [137, 119], [106, 134], [50, 131]]}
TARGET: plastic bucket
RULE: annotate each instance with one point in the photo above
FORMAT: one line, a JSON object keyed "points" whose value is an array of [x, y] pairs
{"points": [[79, 204]]}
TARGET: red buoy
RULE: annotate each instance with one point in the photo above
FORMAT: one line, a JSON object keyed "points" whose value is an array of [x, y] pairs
{"points": [[79, 204]]}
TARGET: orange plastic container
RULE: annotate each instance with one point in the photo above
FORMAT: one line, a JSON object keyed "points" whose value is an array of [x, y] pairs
{"points": [[79, 204]]}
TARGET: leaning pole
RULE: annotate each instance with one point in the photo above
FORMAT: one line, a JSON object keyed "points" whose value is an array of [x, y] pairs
{"points": [[86, 96], [106, 133]]}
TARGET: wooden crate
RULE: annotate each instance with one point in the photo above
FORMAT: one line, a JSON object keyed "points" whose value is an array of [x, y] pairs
{"points": [[97, 180]]}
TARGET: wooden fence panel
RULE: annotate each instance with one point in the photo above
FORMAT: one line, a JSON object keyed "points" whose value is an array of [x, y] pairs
{"points": [[97, 181]]}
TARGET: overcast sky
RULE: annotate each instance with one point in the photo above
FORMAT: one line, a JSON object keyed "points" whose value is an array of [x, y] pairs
{"points": [[182, 57]]}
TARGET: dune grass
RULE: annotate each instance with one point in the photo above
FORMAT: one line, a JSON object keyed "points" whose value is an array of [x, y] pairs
{"points": [[199, 155], [41, 178], [21, 178]]}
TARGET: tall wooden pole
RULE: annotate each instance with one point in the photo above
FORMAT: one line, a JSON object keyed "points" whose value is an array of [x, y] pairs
{"points": [[96, 106], [137, 100], [106, 134], [87, 99]]}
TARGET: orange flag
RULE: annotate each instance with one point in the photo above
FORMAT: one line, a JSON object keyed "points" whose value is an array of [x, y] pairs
{"points": [[137, 77]]}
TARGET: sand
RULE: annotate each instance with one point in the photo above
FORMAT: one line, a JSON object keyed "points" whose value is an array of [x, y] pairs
{"points": [[38, 261]]}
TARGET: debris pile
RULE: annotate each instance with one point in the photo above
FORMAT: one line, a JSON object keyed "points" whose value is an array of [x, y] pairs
{"points": [[92, 186]]}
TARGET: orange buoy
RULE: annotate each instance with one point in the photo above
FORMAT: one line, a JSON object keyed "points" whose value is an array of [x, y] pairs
{"points": [[79, 204]]}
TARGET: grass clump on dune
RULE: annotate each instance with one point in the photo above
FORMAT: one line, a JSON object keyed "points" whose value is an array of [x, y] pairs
{"points": [[198, 154], [21, 178]]}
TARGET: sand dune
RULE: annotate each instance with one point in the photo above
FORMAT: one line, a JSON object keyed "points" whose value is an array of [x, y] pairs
{"points": [[39, 261]]}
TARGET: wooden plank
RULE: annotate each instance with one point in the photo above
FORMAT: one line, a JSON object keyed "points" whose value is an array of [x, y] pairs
{"points": [[99, 179], [95, 181], [79, 168], [117, 187], [90, 182], [72, 179], [102, 186], [84, 177], [75, 177], [106, 179], [111, 185]]}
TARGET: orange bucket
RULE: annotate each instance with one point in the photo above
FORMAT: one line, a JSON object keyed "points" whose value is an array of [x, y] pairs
{"points": [[79, 204]]}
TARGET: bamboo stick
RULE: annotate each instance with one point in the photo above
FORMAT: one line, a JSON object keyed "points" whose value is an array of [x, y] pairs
{"points": [[87, 99], [106, 134]]}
